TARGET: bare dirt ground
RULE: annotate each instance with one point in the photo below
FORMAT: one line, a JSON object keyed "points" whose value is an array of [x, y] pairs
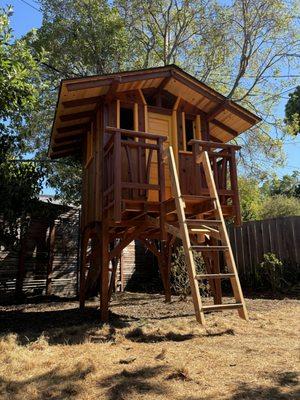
{"points": [[150, 350]]}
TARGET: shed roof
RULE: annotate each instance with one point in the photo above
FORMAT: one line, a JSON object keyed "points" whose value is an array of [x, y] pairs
{"points": [[78, 99]]}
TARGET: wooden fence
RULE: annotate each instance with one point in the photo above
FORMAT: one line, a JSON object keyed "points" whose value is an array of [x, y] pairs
{"points": [[36, 254], [253, 239]]}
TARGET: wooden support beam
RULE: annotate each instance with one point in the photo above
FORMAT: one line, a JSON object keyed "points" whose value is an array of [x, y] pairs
{"points": [[216, 111], [128, 238], [67, 145], [198, 127], [113, 88], [233, 108], [126, 78], [204, 128], [79, 115], [82, 102], [72, 128], [104, 292], [224, 127]]}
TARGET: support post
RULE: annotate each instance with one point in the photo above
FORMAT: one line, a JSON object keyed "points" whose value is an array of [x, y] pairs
{"points": [[104, 292]]}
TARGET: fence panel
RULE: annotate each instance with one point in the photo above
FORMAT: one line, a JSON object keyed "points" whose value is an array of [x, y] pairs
{"points": [[253, 239]]}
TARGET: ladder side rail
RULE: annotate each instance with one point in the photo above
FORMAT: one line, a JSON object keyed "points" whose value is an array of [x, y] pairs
{"points": [[185, 237], [234, 187], [235, 282]]}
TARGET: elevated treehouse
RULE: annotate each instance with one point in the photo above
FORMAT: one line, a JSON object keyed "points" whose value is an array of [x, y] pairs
{"points": [[123, 126]]}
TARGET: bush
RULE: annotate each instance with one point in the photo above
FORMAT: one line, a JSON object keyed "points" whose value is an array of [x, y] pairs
{"points": [[270, 272], [179, 275], [280, 206]]}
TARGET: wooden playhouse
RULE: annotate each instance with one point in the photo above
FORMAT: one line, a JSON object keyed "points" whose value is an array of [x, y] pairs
{"points": [[156, 167]]}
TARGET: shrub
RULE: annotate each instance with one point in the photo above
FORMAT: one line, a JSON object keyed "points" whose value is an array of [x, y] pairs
{"points": [[280, 206], [179, 275], [270, 272]]}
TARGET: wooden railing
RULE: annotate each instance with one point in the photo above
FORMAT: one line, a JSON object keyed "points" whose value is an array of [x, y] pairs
{"points": [[223, 163], [128, 160]]}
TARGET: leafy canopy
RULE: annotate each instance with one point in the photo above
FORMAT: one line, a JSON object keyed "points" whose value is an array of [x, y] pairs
{"points": [[275, 198], [241, 48], [19, 182], [292, 111]]}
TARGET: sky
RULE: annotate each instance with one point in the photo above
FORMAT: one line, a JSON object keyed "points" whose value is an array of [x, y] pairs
{"points": [[26, 17]]}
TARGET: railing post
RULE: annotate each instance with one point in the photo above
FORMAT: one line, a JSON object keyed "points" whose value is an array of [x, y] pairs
{"points": [[162, 189], [117, 177]]}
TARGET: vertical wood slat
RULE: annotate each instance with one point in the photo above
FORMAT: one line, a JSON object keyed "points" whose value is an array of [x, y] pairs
{"points": [[253, 239], [162, 190], [117, 177], [50, 259]]}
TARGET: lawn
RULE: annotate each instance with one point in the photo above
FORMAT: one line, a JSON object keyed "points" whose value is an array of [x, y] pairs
{"points": [[150, 350]]}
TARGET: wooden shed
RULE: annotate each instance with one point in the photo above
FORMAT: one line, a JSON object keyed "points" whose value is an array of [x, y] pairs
{"points": [[156, 166]]}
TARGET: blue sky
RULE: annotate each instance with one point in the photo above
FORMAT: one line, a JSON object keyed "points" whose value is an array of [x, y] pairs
{"points": [[26, 17]]}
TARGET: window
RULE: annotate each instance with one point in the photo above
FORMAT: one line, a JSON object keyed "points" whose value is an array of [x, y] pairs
{"points": [[126, 118], [189, 133]]}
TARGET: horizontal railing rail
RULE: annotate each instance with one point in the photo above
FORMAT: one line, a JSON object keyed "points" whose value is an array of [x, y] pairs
{"points": [[223, 162], [128, 161]]}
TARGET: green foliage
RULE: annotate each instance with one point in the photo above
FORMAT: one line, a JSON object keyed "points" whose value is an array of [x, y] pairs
{"points": [[179, 276], [19, 182], [238, 48], [251, 198], [292, 111], [277, 197], [279, 206], [288, 185], [67, 178], [19, 79], [270, 272], [80, 38]]}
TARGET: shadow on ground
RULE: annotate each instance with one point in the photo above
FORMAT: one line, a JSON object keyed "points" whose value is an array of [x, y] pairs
{"points": [[54, 384], [68, 326], [285, 387], [129, 383]]}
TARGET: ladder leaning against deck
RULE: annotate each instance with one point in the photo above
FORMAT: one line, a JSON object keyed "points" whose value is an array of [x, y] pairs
{"points": [[216, 225]]}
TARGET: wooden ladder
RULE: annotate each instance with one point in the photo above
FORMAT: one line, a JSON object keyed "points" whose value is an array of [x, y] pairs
{"points": [[217, 228]]}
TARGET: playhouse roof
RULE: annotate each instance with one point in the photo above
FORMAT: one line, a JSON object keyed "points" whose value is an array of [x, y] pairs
{"points": [[78, 99]]}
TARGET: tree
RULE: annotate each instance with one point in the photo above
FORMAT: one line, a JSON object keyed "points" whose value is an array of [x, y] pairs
{"points": [[19, 182], [80, 38], [288, 185], [251, 198], [279, 206], [240, 48], [292, 111]]}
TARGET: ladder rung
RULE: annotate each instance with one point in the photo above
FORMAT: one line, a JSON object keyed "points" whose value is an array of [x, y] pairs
{"points": [[209, 248], [215, 276], [192, 196], [197, 222], [199, 230], [220, 307]]}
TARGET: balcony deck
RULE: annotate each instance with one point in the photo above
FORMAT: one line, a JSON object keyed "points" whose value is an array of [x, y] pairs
{"points": [[136, 178]]}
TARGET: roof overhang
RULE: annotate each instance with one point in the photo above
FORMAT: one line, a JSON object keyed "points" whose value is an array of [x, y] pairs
{"points": [[79, 97]]}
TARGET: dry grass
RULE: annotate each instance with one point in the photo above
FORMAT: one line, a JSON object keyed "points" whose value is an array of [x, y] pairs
{"points": [[150, 350]]}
